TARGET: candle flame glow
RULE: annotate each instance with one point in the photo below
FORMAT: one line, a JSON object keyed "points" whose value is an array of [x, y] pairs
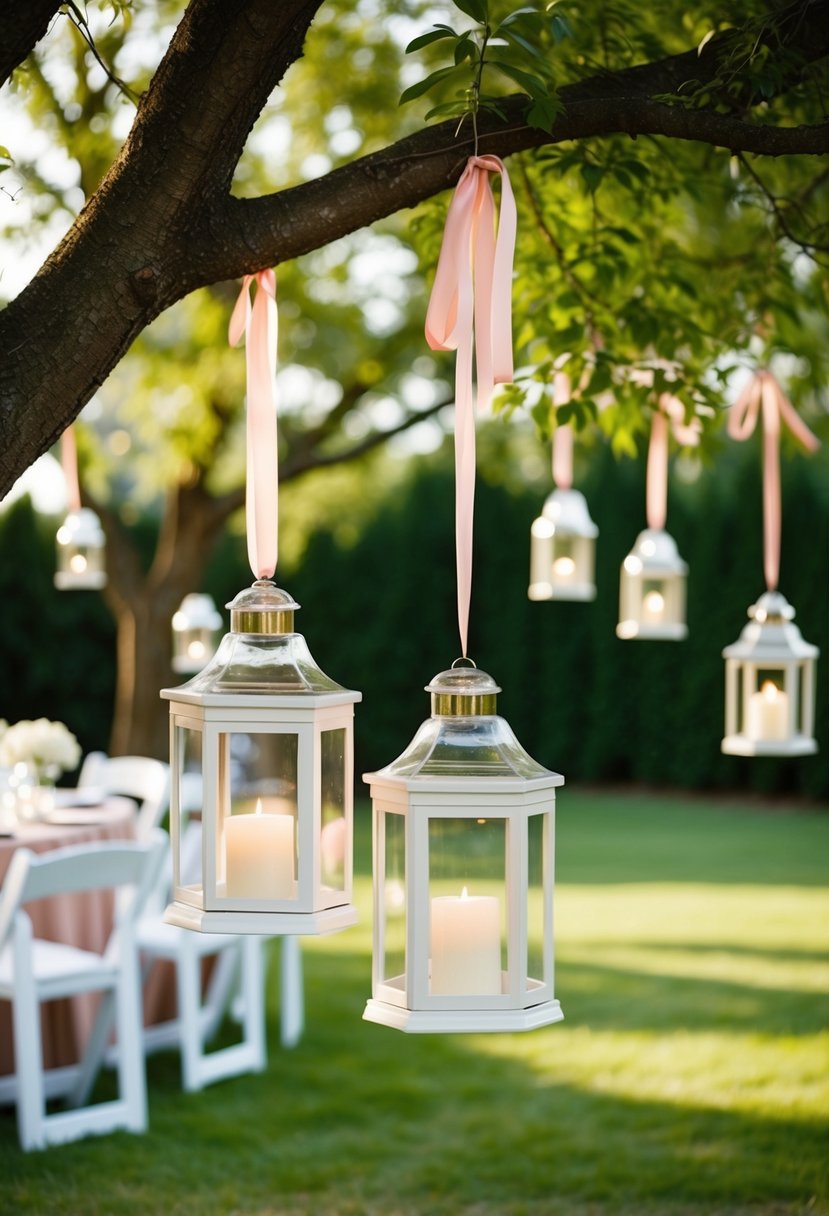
{"points": [[195, 649], [654, 603], [77, 563], [770, 690], [464, 894], [258, 806], [564, 566]]}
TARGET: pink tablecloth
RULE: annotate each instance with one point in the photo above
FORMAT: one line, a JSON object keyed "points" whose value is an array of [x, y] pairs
{"points": [[83, 920]]}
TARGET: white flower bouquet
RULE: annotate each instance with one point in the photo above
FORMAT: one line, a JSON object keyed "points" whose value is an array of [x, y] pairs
{"points": [[50, 746]]}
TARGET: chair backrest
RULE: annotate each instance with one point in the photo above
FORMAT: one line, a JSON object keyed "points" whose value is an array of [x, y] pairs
{"points": [[142, 778], [86, 867], [91, 774]]}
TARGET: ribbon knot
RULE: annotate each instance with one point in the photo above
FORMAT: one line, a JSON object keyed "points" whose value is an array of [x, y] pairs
{"points": [[764, 391], [472, 295], [257, 323]]}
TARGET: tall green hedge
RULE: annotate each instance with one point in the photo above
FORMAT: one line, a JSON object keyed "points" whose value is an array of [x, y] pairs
{"points": [[380, 616]]}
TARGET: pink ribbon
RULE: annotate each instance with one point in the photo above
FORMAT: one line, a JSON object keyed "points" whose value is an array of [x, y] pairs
{"points": [[69, 464], [666, 418], [562, 436], [258, 324], [764, 390], [472, 293]]}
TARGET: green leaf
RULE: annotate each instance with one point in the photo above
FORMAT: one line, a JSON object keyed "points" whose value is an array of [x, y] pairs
{"points": [[423, 86], [518, 14], [476, 9], [465, 48], [435, 35], [592, 175], [529, 83], [526, 46], [543, 113], [5, 154], [560, 28], [447, 109]]}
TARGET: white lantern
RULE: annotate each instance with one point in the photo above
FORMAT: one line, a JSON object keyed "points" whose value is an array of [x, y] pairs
{"points": [[770, 685], [652, 593], [80, 552], [463, 872], [195, 626], [271, 737], [563, 549]]}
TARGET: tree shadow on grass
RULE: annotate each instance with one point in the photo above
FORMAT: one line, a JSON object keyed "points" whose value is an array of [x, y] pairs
{"points": [[359, 1120]]}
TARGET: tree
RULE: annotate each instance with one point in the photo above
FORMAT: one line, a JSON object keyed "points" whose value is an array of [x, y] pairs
{"points": [[638, 236]]}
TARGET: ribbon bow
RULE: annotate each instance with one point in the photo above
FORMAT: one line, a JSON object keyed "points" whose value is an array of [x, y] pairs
{"points": [[472, 294], [763, 390], [667, 417], [258, 324]]}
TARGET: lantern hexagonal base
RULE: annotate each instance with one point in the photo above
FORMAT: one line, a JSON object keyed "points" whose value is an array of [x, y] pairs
{"points": [[582, 592], [462, 1021], [630, 631], [272, 924], [68, 580], [741, 745]]}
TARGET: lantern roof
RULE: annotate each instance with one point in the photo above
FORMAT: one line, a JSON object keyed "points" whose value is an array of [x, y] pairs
{"points": [[465, 739], [565, 513], [197, 611], [771, 635], [655, 555], [261, 656], [81, 528]]}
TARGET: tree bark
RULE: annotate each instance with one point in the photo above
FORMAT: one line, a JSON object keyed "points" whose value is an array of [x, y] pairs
{"points": [[162, 223], [22, 24]]}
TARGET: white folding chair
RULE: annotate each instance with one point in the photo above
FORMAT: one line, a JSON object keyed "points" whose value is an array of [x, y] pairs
{"points": [[139, 777], [236, 982], [33, 971]]}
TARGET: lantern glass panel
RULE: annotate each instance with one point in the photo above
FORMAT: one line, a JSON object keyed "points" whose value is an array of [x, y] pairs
{"points": [[654, 601], [188, 746], [333, 825], [394, 898], [467, 906], [258, 795], [537, 911]]}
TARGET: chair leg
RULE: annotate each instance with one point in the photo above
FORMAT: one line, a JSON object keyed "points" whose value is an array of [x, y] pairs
{"points": [[188, 991], [293, 998], [132, 1074], [95, 1052], [253, 987], [28, 1053]]}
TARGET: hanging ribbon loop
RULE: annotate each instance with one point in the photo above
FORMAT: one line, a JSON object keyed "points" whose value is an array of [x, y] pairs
{"points": [[562, 436], [763, 392], [69, 464], [258, 324], [667, 418], [472, 296]]}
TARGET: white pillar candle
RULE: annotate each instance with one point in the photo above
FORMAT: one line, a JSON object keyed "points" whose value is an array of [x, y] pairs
{"points": [[465, 945], [653, 607], [259, 856], [768, 713]]}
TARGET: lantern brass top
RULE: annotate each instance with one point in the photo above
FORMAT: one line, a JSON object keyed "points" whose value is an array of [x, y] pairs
{"points": [[263, 608], [463, 691]]}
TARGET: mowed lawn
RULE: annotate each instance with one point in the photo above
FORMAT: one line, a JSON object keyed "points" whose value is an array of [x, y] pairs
{"points": [[691, 1074]]}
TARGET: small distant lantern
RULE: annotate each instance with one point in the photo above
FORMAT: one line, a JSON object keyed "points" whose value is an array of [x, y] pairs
{"points": [[770, 685], [195, 626], [463, 876], [563, 549], [80, 552], [272, 738], [652, 593]]}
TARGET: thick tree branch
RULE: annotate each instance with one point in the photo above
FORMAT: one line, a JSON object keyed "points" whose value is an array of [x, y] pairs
{"points": [[22, 24], [162, 223]]}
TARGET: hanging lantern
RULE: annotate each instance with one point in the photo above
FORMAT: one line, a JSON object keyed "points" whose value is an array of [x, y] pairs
{"points": [[80, 552], [80, 539], [652, 592], [562, 549], [563, 538], [770, 685], [195, 626], [770, 670], [463, 872], [652, 589], [271, 737]]}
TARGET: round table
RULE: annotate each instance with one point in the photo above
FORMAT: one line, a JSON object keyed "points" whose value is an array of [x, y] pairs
{"points": [[82, 919]]}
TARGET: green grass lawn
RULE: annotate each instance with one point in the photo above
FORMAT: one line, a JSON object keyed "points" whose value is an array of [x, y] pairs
{"points": [[691, 1074]]}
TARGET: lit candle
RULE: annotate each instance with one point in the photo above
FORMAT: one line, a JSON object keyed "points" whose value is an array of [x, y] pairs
{"points": [[465, 942], [564, 568], [195, 649], [653, 607], [77, 563], [768, 713], [259, 856]]}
